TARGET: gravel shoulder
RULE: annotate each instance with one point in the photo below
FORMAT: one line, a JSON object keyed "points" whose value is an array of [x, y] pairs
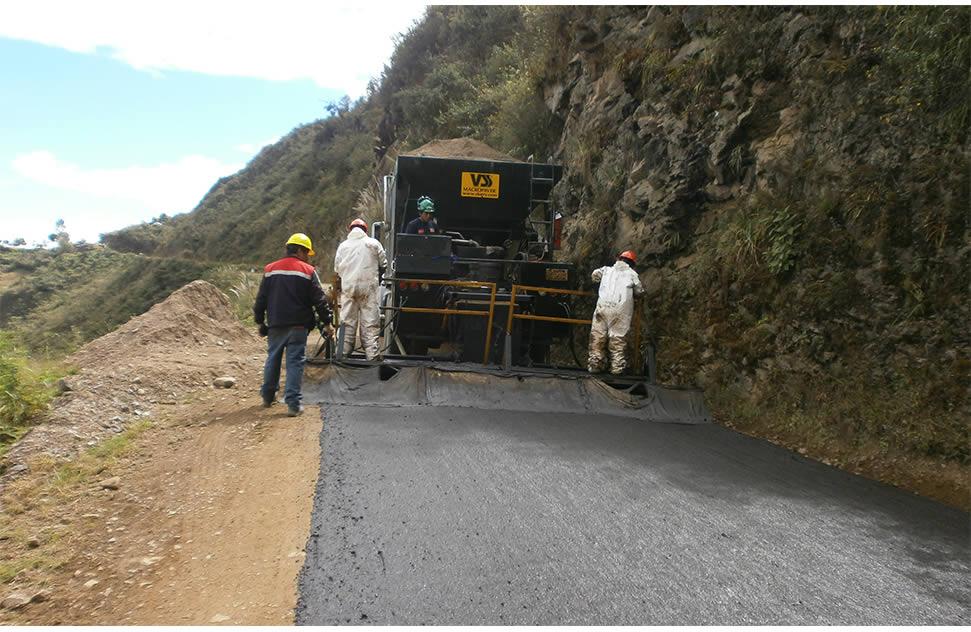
{"points": [[150, 496], [207, 524]]}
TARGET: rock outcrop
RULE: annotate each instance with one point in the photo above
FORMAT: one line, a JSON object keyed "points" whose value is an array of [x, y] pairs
{"points": [[798, 208]]}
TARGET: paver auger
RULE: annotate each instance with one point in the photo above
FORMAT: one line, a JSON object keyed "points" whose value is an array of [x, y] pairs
{"points": [[475, 315]]}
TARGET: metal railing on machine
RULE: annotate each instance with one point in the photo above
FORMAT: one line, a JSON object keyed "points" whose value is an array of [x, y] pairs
{"points": [[507, 350], [512, 316], [445, 311]]}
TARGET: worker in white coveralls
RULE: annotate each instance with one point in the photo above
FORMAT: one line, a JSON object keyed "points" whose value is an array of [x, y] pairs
{"points": [[619, 284], [357, 263]]}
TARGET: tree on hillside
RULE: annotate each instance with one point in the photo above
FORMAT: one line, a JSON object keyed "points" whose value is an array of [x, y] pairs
{"points": [[60, 236], [339, 108]]}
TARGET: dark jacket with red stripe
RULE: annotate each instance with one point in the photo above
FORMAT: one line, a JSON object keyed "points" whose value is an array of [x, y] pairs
{"points": [[289, 293]]}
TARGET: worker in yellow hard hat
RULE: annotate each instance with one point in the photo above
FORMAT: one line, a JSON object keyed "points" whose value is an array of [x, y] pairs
{"points": [[299, 239], [289, 294]]}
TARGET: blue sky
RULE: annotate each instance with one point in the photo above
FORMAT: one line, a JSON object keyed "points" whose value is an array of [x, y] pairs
{"points": [[105, 125]]}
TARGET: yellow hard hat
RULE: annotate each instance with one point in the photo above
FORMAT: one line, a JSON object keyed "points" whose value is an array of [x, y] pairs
{"points": [[302, 240]]}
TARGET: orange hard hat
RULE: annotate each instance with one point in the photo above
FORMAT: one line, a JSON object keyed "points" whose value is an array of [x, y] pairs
{"points": [[358, 223], [628, 254]]}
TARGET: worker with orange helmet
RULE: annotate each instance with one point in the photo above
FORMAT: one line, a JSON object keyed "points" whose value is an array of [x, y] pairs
{"points": [[619, 284], [357, 262]]}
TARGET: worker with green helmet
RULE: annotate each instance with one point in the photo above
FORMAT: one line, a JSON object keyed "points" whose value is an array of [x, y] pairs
{"points": [[290, 293], [425, 223]]}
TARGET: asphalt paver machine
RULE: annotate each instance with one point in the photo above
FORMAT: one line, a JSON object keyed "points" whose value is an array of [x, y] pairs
{"points": [[486, 288], [486, 294]]}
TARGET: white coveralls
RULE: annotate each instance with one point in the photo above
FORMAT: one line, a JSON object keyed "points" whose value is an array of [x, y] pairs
{"points": [[356, 262], [611, 320]]}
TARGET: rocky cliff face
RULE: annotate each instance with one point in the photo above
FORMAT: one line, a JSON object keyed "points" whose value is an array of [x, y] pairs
{"points": [[796, 184]]}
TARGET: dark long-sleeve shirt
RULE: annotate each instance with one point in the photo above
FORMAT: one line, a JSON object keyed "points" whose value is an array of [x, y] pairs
{"points": [[418, 227], [289, 294]]}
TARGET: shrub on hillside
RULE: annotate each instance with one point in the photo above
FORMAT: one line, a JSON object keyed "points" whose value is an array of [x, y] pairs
{"points": [[141, 238], [24, 392]]}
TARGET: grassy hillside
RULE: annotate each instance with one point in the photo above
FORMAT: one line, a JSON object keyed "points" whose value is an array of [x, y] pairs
{"points": [[307, 182], [463, 71], [54, 301]]}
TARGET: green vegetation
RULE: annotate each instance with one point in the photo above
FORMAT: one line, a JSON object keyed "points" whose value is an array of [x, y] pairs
{"points": [[926, 53], [141, 238], [63, 299], [58, 300], [473, 71], [308, 182], [51, 478], [762, 239], [38, 560], [810, 348], [24, 390]]}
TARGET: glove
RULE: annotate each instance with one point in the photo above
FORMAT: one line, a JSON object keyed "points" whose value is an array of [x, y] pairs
{"points": [[324, 314], [264, 330]]}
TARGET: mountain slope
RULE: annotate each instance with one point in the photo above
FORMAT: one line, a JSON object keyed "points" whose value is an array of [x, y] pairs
{"points": [[794, 179]]}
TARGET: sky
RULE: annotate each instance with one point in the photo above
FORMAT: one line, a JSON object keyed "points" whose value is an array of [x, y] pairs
{"points": [[112, 113]]}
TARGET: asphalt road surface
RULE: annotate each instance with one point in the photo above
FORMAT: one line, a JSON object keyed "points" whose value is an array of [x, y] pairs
{"points": [[429, 515]]}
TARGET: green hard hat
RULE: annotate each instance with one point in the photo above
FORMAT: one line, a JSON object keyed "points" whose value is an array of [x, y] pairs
{"points": [[425, 205]]}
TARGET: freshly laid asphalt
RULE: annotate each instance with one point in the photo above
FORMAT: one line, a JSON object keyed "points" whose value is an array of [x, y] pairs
{"points": [[428, 515]]}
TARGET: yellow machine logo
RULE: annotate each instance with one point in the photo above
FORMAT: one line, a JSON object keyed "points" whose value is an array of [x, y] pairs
{"points": [[557, 274], [480, 185]]}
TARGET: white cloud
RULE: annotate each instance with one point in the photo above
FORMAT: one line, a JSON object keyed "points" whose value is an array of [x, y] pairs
{"points": [[337, 46], [166, 188]]}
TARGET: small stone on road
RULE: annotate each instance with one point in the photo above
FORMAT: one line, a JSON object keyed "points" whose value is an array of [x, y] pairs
{"points": [[111, 483], [15, 600]]}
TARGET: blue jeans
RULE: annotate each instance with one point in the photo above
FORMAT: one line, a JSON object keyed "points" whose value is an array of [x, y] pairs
{"points": [[293, 341]]}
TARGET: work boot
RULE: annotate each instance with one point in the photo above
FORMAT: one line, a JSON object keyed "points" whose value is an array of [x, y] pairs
{"points": [[293, 411]]}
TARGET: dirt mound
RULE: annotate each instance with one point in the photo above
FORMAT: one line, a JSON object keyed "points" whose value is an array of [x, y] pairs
{"points": [[197, 313], [460, 148], [155, 360]]}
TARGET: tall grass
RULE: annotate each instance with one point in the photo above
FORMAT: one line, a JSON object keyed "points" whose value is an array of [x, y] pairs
{"points": [[24, 390]]}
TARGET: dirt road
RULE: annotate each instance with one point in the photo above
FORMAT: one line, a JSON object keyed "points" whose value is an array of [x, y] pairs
{"points": [[148, 495], [208, 523]]}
